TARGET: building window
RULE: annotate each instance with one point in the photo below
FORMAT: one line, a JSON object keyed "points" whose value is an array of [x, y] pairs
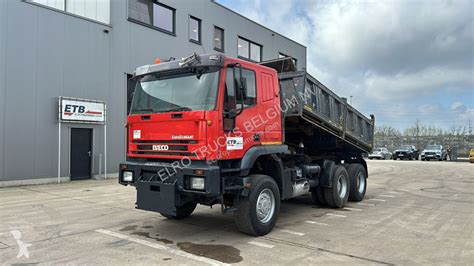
{"points": [[249, 50], [98, 10], [218, 39], [163, 17], [282, 55], [195, 30], [153, 14]]}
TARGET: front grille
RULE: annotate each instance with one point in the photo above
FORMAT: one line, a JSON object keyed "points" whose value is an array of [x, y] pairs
{"points": [[430, 153], [164, 148], [170, 147], [164, 153]]}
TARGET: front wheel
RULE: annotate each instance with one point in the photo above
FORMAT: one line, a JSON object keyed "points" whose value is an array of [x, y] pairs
{"points": [[257, 214], [182, 211], [337, 195]]}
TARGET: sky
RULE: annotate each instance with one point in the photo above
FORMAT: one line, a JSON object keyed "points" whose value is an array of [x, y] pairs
{"points": [[402, 60]]}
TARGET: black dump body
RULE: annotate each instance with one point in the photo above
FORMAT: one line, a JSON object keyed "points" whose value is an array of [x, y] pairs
{"points": [[316, 117]]}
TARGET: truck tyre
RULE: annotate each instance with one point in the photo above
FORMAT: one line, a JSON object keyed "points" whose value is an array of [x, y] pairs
{"points": [[358, 182], [318, 196], [337, 195], [257, 213], [182, 211]]}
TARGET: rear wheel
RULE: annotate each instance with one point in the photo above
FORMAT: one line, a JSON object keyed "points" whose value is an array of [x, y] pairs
{"points": [[358, 182], [257, 214], [337, 195], [182, 211]]}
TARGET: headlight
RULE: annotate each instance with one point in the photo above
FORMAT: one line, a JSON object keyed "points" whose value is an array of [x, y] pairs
{"points": [[127, 176], [197, 183]]}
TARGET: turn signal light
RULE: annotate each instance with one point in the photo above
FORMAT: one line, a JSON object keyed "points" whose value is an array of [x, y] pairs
{"points": [[199, 172], [157, 61]]}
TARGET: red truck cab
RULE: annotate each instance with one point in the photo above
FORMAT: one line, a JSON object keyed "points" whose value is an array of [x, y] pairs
{"points": [[191, 117]]}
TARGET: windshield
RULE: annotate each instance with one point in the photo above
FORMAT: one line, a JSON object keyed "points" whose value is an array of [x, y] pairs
{"points": [[377, 150], [195, 89], [433, 147], [404, 147]]}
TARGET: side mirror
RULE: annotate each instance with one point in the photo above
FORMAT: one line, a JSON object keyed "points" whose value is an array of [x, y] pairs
{"points": [[232, 113]]}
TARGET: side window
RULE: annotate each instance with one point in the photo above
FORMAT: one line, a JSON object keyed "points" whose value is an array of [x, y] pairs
{"points": [[267, 87], [230, 98], [251, 88]]}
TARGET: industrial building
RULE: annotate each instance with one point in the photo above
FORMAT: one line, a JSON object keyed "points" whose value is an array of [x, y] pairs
{"points": [[88, 49]]}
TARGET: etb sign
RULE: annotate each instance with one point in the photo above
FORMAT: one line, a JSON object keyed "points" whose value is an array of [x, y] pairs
{"points": [[73, 110]]}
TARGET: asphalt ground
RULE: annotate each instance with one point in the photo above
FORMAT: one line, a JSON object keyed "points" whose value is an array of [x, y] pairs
{"points": [[414, 213]]}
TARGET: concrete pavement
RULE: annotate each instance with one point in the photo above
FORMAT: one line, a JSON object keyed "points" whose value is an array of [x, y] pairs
{"points": [[414, 212]]}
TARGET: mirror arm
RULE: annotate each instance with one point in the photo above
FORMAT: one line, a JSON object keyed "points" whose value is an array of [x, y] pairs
{"points": [[239, 85]]}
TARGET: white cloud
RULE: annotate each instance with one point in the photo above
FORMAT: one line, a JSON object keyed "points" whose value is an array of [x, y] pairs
{"points": [[395, 52], [403, 86]]}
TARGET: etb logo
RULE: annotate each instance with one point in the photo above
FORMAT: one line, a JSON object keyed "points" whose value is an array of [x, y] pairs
{"points": [[71, 108]]}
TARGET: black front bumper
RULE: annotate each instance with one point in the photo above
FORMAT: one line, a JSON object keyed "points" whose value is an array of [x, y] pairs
{"points": [[402, 155], [162, 187]]}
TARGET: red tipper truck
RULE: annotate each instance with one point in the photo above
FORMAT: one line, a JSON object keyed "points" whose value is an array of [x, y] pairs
{"points": [[211, 129]]}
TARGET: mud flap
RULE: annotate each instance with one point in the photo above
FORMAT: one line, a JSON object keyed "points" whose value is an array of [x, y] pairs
{"points": [[327, 171]]}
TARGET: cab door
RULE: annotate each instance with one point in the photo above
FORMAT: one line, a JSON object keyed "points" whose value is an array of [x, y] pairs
{"points": [[247, 131]]}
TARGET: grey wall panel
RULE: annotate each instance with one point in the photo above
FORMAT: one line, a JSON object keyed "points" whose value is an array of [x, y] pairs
{"points": [[3, 29], [49, 59], [21, 92], [86, 68]]}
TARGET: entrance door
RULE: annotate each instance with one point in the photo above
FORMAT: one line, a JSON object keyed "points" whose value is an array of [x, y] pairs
{"points": [[81, 153]]}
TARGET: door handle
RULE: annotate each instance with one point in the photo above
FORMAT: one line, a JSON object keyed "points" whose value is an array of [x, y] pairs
{"points": [[89, 153]]}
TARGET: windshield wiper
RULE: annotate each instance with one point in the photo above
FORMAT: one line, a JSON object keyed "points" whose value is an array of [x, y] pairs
{"points": [[179, 108]]}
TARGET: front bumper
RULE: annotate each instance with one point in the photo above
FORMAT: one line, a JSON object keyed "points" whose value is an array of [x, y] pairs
{"points": [[377, 156], [401, 155], [162, 187], [431, 156]]}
